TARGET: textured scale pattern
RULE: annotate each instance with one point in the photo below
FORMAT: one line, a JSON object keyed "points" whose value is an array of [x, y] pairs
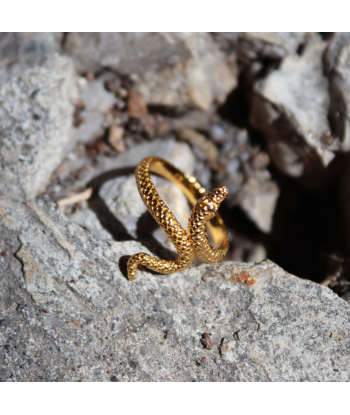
{"points": [[187, 244], [205, 209]]}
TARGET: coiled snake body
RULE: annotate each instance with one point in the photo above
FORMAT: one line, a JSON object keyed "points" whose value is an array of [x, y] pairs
{"points": [[194, 241]]}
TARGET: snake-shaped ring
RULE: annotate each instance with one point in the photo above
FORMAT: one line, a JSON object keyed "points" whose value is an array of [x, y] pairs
{"points": [[204, 213]]}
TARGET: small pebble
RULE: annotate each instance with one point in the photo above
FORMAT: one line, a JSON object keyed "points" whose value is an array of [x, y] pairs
{"points": [[206, 341], [3, 253], [3, 323], [136, 105], [116, 138]]}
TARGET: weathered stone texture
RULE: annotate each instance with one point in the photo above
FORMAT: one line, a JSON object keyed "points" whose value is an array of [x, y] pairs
{"points": [[174, 69], [36, 110], [71, 315], [67, 311]]}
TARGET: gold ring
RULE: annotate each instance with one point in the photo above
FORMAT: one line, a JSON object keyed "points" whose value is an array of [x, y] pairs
{"points": [[204, 213]]}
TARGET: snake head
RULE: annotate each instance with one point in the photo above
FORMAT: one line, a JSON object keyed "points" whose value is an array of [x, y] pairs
{"points": [[211, 202], [219, 194]]}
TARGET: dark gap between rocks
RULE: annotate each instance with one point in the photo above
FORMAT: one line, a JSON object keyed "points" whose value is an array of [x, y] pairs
{"points": [[166, 110]]}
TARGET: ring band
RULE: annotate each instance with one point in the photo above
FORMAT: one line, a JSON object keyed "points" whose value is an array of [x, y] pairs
{"points": [[188, 243]]}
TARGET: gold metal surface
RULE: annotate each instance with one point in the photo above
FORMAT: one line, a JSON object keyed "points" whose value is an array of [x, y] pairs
{"points": [[204, 213]]}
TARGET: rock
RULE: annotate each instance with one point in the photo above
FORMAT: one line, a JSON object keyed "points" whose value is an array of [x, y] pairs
{"points": [[337, 65], [243, 169], [95, 96], [258, 45], [206, 340], [257, 253], [36, 111], [19, 49], [337, 68], [198, 81], [259, 200], [115, 137], [96, 103], [203, 147], [173, 69], [89, 220], [65, 294], [136, 106], [291, 108], [123, 52]]}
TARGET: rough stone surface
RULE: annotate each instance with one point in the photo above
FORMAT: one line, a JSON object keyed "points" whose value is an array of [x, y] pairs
{"points": [[174, 69], [259, 201], [36, 111], [291, 108], [255, 45], [71, 315], [17, 49], [125, 52], [67, 311], [97, 103], [337, 63]]}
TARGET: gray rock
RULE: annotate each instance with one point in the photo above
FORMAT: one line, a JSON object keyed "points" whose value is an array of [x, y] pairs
{"points": [[258, 200], [89, 220], [77, 318], [291, 108], [17, 49], [36, 111], [204, 148], [199, 81], [175, 69], [243, 169], [337, 65], [255, 45], [97, 103], [124, 52], [96, 97]]}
